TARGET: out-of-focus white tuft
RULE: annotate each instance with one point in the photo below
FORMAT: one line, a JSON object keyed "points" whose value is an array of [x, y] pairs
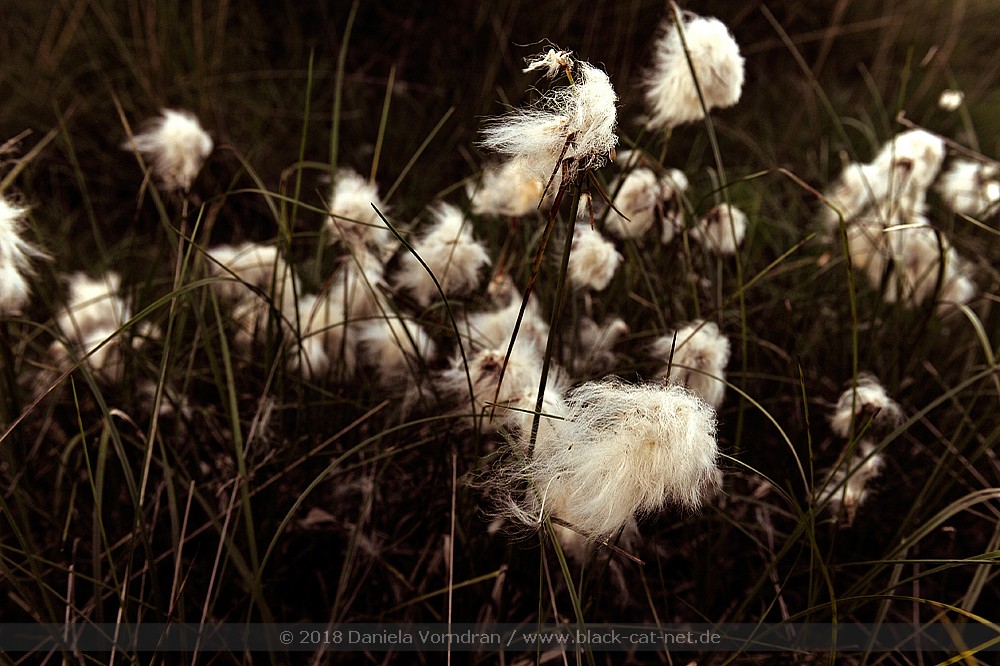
{"points": [[637, 195], [248, 267], [450, 252], [897, 179], [93, 316], [722, 229], [514, 406], [950, 100], [846, 486], [673, 185], [593, 260], [570, 128], [884, 206], [591, 348], [671, 94], [176, 145], [700, 356], [971, 188], [353, 220], [15, 258], [866, 405], [621, 451], [395, 348], [510, 189]]}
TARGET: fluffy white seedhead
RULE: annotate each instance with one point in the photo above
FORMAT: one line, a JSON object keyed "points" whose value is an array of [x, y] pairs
{"points": [[913, 261], [673, 185], [552, 62], [622, 451], [671, 95], [700, 356], [897, 179], [395, 348], [638, 196], [355, 286], [176, 146], [450, 252], [950, 100], [93, 313], [510, 189], [971, 188], [865, 406], [353, 220], [593, 260], [721, 230], [249, 267], [514, 406], [591, 348], [571, 128], [327, 340], [15, 258], [847, 486], [487, 330]]}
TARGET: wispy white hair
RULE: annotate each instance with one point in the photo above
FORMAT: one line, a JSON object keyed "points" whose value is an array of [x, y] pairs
{"points": [[593, 261], [671, 95], [700, 355], [15, 258], [353, 220], [866, 405], [176, 145], [450, 252], [572, 125], [622, 451]]}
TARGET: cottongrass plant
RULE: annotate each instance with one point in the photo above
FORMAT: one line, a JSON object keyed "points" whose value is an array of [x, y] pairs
{"points": [[594, 259], [353, 220], [848, 485], [510, 189], [970, 187], [91, 324], [889, 237], [618, 452], [16, 255], [721, 230], [672, 97], [866, 406], [696, 356], [449, 252], [570, 128], [176, 145]]}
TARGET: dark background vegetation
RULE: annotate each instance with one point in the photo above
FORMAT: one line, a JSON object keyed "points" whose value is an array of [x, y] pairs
{"points": [[358, 523]]}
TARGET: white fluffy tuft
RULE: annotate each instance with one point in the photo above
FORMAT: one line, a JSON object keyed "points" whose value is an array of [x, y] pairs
{"points": [[15, 258], [451, 253], [700, 356], [671, 95], [177, 146], [593, 260], [722, 229]]}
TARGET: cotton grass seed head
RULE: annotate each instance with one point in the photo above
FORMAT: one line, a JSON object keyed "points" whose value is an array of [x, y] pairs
{"points": [[593, 260], [353, 220], [671, 95], [866, 405], [448, 249], [511, 189], [94, 312], [622, 451], [176, 146], [396, 348], [15, 258], [571, 128], [722, 229], [970, 188], [637, 196], [950, 100], [696, 356], [847, 486]]}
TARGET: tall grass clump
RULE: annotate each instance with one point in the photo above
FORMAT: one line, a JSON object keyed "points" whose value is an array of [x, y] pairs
{"points": [[390, 312]]}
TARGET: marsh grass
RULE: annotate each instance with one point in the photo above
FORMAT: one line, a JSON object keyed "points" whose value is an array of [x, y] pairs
{"points": [[230, 489]]}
